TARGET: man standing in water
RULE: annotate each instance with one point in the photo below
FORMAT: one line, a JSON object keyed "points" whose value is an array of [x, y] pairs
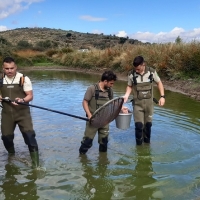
{"points": [[18, 88], [140, 80], [95, 96]]}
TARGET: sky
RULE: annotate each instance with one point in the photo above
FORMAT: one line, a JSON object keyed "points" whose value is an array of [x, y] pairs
{"points": [[154, 21]]}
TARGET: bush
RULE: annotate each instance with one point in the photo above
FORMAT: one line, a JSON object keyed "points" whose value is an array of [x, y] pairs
{"points": [[22, 44], [51, 52]]}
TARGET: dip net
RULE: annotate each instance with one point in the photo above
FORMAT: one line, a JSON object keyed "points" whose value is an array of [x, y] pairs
{"points": [[101, 117], [107, 113]]}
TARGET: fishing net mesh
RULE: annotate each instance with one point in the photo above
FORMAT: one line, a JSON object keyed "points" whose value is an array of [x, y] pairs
{"points": [[107, 113]]}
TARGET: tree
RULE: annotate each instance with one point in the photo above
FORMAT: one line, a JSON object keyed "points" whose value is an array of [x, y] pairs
{"points": [[22, 44], [68, 35], [178, 40], [3, 41], [122, 40]]}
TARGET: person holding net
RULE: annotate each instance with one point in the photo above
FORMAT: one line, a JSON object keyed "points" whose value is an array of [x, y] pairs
{"points": [[140, 80], [96, 96], [17, 87]]}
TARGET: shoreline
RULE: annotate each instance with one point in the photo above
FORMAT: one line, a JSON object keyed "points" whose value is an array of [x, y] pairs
{"points": [[187, 87]]}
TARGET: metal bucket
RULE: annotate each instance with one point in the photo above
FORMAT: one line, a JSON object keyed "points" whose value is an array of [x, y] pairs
{"points": [[123, 120]]}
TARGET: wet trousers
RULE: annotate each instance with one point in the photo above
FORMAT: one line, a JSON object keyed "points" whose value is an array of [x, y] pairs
{"points": [[8, 125], [89, 135], [143, 112]]}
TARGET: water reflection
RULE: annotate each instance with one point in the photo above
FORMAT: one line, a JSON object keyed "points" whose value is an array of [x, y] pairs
{"points": [[17, 186], [142, 180], [98, 185]]}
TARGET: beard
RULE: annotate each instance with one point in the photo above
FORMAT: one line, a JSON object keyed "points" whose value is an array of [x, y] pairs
{"points": [[105, 87]]}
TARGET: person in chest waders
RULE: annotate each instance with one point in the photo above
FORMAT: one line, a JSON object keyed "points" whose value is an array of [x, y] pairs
{"points": [[140, 80], [18, 88], [95, 96]]}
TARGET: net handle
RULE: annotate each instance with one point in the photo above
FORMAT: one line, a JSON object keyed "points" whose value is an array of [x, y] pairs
{"points": [[43, 108]]}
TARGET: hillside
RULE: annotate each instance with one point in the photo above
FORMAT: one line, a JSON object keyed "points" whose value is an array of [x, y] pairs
{"points": [[49, 38]]}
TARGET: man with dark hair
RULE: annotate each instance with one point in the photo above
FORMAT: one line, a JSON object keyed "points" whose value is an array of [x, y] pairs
{"points": [[140, 80], [18, 88], [95, 96]]}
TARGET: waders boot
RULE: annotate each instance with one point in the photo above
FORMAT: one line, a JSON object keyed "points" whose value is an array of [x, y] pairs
{"points": [[8, 143], [138, 133], [147, 132], [85, 145], [35, 159], [11, 150], [103, 146], [146, 140]]}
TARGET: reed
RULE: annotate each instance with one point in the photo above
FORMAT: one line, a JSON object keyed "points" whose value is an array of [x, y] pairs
{"points": [[172, 60]]}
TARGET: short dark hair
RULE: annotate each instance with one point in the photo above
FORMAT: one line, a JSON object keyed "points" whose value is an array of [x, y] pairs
{"points": [[8, 59], [138, 61], [108, 76]]}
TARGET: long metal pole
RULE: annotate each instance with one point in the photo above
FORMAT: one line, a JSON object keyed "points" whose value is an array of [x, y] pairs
{"points": [[43, 108], [56, 111]]}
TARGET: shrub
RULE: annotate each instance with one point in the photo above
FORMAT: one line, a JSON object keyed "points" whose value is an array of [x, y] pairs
{"points": [[22, 44]]}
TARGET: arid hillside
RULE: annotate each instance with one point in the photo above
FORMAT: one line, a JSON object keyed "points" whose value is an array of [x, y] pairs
{"points": [[47, 38]]}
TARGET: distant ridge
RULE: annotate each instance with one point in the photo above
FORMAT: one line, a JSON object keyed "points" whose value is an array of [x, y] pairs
{"points": [[62, 38]]}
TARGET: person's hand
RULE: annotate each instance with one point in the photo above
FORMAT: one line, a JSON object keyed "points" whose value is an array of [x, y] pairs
{"points": [[18, 100], [89, 116], [0, 98], [125, 99], [124, 110], [161, 101]]}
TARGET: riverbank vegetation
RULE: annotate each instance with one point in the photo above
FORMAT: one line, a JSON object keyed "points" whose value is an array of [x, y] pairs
{"points": [[46, 47], [172, 60]]}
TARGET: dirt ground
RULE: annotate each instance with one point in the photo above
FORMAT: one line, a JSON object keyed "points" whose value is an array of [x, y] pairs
{"points": [[186, 87]]}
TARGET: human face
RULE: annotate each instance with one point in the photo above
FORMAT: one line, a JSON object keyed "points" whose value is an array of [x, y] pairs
{"points": [[140, 68], [10, 69], [108, 84]]}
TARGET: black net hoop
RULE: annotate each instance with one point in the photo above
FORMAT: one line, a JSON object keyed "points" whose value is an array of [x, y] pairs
{"points": [[107, 113]]}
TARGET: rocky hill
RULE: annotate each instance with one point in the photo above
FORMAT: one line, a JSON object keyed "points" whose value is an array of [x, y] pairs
{"points": [[49, 38]]}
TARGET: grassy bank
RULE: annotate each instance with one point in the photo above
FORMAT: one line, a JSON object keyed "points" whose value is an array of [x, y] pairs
{"points": [[177, 63], [174, 61]]}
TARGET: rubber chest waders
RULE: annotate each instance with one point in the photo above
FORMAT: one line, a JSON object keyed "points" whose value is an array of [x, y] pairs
{"points": [[99, 98], [13, 115], [143, 104]]}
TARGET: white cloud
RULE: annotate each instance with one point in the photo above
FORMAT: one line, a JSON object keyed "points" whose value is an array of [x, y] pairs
{"points": [[9, 7], [90, 18], [121, 34], [3, 28], [97, 31], [163, 37]]}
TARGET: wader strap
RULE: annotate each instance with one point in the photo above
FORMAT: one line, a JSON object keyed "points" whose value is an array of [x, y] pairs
{"points": [[97, 94], [1, 79], [151, 76], [134, 77], [21, 82]]}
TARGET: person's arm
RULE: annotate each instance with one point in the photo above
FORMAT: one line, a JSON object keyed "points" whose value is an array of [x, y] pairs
{"points": [[86, 108], [28, 90], [87, 97], [128, 92], [161, 101], [26, 99]]}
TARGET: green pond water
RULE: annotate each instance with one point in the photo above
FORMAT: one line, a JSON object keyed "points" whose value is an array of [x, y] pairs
{"points": [[168, 168]]}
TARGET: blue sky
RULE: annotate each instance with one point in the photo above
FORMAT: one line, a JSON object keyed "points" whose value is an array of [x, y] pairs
{"points": [[146, 20]]}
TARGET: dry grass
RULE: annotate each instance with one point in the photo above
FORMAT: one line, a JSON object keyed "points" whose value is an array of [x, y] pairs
{"points": [[175, 61], [28, 53]]}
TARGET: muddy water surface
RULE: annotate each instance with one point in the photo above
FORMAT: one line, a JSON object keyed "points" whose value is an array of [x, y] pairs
{"points": [[168, 168]]}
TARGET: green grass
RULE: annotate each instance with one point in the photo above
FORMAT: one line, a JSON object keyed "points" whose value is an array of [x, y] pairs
{"points": [[44, 64]]}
